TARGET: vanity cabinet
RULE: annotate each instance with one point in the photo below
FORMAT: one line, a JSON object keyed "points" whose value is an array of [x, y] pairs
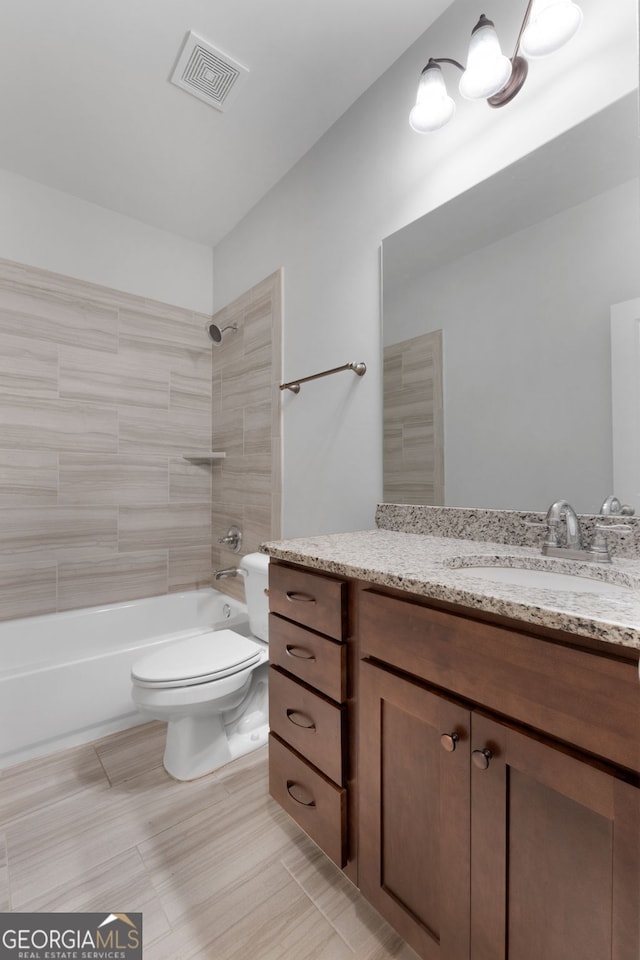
{"points": [[493, 824], [309, 769]]}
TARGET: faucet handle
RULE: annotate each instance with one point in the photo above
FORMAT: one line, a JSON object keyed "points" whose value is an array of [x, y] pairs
{"points": [[550, 527], [599, 546]]}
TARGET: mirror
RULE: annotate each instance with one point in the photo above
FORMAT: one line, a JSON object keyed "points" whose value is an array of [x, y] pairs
{"points": [[519, 274]]}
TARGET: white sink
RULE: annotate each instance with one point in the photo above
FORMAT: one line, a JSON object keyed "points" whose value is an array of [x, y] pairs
{"points": [[543, 580]]}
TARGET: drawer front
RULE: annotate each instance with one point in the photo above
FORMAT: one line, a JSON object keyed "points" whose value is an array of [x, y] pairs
{"points": [[555, 688], [311, 599], [311, 724], [316, 804], [318, 661]]}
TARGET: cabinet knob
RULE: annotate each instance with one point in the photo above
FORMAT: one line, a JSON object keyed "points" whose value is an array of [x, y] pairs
{"points": [[481, 758], [449, 741]]}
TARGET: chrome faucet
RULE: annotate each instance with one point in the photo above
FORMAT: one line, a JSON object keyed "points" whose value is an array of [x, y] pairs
{"points": [[573, 548], [573, 536], [228, 572]]}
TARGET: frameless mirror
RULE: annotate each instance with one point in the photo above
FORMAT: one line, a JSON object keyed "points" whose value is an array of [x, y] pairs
{"points": [[519, 275]]}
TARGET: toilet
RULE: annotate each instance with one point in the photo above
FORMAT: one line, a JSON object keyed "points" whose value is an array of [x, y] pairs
{"points": [[211, 688]]}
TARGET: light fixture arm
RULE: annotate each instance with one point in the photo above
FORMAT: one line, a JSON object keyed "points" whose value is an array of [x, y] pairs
{"points": [[444, 60], [488, 69]]}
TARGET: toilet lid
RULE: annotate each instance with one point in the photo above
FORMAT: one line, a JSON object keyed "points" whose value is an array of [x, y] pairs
{"points": [[197, 659]]}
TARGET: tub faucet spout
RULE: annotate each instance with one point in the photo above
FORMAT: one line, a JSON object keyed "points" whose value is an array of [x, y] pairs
{"points": [[228, 572]]}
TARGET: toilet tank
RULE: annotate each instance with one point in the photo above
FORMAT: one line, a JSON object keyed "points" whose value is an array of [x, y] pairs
{"points": [[256, 582]]}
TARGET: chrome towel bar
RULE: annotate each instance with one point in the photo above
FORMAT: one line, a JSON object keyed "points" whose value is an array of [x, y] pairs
{"points": [[294, 385]]}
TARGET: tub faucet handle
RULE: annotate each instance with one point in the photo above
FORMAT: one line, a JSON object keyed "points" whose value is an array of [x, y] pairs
{"points": [[233, 539]]}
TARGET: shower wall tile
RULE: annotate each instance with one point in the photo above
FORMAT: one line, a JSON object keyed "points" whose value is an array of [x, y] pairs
{"points": [[31, 424], [190, 391], [116, 479], [101, 393], [164, 526], [28, 478], [28, 584], [171, 432], [247, 424], [189, 568], [58, 528], [112, 580], [189, 481], [27, 367], [94, 376], [257, 428], [33, 310]]}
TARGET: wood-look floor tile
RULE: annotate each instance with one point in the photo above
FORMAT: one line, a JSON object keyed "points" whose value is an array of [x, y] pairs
{"points": [[73, 836], [356, 921], [120, 884], [216, 848], [5, 899], [252, 918], [28, 787], [132, 752]]}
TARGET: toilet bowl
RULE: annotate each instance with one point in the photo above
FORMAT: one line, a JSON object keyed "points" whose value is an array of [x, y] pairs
{"points": [[211, 687]]}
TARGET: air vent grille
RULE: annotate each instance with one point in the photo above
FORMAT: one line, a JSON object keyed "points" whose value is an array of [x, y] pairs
{"points": [[207, 73]]}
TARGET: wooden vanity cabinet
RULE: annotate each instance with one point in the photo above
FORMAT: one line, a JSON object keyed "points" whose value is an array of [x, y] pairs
{"points": [[310, 774], [493, 825]]}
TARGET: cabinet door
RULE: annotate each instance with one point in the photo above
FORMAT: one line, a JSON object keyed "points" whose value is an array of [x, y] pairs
{"points": [[555, 853], [414, 812]]}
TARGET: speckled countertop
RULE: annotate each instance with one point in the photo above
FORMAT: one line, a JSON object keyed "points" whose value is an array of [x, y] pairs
{"points": [[430, 566]]}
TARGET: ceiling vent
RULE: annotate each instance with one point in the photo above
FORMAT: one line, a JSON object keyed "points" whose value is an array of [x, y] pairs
{"points": [[208, 73]]}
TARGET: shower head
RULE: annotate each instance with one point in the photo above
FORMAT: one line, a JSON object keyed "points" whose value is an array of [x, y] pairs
{"points": [[215, 333]]}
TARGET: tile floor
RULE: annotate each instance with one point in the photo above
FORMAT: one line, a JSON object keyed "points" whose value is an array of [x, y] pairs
{"points": [[218, 870]]}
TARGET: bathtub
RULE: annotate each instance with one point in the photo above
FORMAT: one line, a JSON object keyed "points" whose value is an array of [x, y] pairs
{"points": [[64, 677]]}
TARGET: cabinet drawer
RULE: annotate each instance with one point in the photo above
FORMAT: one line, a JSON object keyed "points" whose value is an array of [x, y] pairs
{"points": [[316, 804], [555, 688], [310, 599], [318, 661], [311, 724]]}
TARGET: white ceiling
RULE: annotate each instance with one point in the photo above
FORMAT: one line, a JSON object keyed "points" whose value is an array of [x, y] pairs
{"points": [[86, 105]]}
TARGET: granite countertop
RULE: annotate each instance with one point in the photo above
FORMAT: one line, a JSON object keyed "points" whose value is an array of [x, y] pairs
{"points": [[426, 565]]}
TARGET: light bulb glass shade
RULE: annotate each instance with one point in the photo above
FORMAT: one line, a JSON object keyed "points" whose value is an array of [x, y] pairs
{"points": [[433, 106], [552, 23], [488, 70]]}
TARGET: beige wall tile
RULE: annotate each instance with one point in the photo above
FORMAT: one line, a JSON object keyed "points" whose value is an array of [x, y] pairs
{"points": [[28, 367], [114, 479], [36, 311], [65, 528], [189, 568], [190, 391], [98, 377], [29, 424], [172, 433], [164, 526], [112, 579], [28, 477], [189, 480], [101, 394], [28, 584]]}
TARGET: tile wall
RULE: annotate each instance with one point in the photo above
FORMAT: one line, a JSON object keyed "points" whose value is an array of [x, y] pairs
{"points": [[413, 421], [247, 371], [101, 393]]}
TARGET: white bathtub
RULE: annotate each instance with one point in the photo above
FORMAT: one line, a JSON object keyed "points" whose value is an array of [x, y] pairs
{"points": [[64, 677]]}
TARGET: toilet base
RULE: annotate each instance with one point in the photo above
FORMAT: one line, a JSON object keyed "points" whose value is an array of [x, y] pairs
{"points": [[200, 743]]}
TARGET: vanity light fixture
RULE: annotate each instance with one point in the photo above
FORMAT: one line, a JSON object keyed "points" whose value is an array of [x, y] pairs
{"points": [[489, 74]]}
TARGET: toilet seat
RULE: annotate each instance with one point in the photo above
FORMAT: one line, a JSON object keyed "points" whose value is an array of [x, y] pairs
{"points": [[197, 659]]}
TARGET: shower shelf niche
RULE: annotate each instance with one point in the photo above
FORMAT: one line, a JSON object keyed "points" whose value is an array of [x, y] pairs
{"points": [[204, 456]]}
